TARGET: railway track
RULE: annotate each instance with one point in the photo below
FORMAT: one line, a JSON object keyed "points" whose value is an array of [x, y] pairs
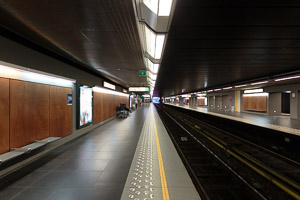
{"points": [[224, 166]]}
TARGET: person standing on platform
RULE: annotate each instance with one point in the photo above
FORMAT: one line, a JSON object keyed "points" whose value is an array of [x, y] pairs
{"points": [[136, 103]]}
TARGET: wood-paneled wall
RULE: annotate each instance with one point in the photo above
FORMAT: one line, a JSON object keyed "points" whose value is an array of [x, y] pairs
{"points": [[29, 112], [255, 103], [60, 112], [105, 105], [4, 115], [200, 101]]}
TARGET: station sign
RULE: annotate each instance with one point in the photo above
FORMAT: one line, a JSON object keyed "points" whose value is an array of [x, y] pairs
{"points": [[139, 89], [108, 85]]}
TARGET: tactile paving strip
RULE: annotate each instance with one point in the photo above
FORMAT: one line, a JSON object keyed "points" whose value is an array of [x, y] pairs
{"points": [[143, 180]]}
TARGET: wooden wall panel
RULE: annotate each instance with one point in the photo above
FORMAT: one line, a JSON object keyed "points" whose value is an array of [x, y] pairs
{"points": [[255, 103], [60, 112], [200, 102], [102, 107], [105, 106], [97, 108], [29, 112], [4, 115]]}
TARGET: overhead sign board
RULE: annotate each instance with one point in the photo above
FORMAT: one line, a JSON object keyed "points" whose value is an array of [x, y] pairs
{"points": [[142, 73], [139, 89], [108, 85]]}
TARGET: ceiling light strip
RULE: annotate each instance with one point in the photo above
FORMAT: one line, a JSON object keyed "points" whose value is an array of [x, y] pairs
{"points": [[258, 83], [238, 86], [26, 74], [255, 94], [287, 78], [107, 91]]}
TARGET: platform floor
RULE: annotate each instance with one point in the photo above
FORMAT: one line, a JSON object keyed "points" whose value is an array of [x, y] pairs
{"points": [[101, 165], [281, 123]]}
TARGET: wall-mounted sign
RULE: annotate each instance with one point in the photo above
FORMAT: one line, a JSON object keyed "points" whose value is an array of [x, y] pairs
{"points": [[69, 99], [108, 85], [253, 91], [125, 91], [139, 89], [142, 73]]}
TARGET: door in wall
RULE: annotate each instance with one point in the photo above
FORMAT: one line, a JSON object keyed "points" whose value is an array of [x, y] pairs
{"points": [[285, 103]]}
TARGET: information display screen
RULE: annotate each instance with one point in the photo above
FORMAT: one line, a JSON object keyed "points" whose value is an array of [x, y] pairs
{"points": [[155, 100], [86, 99]]}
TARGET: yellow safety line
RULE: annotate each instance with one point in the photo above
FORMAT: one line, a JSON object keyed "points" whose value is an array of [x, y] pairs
{"points": [[235, 101], [163, 180]]}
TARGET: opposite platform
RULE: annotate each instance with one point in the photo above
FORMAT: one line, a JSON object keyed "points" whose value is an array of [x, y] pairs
{"points": [[279, 123]]}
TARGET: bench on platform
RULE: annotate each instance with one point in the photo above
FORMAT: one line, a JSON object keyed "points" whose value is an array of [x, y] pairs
{"points": [[26, 149]]}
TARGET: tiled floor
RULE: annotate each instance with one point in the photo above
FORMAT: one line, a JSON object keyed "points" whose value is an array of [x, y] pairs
{"points": [[282, 123], [94, 166], [144, 178]]}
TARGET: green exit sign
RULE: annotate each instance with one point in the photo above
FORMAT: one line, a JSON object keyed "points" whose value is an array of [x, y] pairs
{"points": [[142, 73]]}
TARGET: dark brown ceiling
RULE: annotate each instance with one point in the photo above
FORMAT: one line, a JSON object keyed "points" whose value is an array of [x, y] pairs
{"points": [[100, 35], [214, 43]]}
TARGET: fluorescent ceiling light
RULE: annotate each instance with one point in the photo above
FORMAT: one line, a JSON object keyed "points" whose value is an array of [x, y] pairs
{"points": [[32, 76], [152, 67], [287, 78], [255, 95], [159, 46], [154, 43], [155, 68], [160, 7], [217, 89], [258, 83], [209, 90], [106, 91], [152, 5], [184, 95], [238, 86], [152, 76], [164, 7], [227, 88], [253, 91], [150, 41]]}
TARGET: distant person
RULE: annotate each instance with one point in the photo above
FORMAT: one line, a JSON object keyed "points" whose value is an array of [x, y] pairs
{"points": [[136, 103]]}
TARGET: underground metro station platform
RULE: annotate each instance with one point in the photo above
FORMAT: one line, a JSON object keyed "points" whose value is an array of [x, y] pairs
{"points": [[149, 99]]}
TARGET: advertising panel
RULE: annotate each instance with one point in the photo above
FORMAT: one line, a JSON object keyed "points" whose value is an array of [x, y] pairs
{"points": [[86, 99]]}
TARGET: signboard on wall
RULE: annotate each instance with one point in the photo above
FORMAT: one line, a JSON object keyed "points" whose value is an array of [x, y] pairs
{"points": [[108, 85], [69, 99], [139, 89], [86, 109]]}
